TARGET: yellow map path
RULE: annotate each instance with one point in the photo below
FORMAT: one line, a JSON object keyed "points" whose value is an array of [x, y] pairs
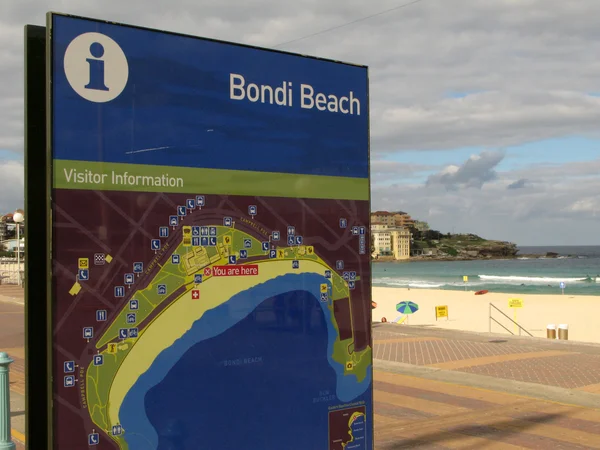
{"points": [[355, 416]]}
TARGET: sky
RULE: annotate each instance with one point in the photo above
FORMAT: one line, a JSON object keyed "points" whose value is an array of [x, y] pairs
{"points": [[485, 114]]}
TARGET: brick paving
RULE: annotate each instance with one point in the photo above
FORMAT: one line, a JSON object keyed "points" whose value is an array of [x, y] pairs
{"points": [[437, 415], [12, 293], [412, 412], [429, 352], [567, 371], [566, 365], [12, 337]]}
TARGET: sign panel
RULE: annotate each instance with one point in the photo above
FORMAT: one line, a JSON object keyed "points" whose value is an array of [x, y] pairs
{"points": [[515, 303], [441, 311], [180, 161]]}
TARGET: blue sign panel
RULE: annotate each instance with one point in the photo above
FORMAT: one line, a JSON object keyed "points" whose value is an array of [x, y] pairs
{"points": [[224, 170]]}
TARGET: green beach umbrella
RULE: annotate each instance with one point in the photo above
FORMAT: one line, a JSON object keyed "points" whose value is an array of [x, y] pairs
{"points": [[407, 307]]}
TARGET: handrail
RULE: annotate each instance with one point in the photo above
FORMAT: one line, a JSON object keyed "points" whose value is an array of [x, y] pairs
{"points": [[502, 326], [491, 318]]}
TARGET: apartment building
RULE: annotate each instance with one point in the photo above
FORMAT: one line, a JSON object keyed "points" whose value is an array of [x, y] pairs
{"points": [[390, 240], [398, 218]]}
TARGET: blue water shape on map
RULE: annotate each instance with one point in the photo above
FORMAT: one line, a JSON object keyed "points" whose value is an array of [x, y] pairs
{"points": [[264, 381]]}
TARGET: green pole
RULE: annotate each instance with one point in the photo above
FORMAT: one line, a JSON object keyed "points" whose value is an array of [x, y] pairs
{"points": [[5, 438]]}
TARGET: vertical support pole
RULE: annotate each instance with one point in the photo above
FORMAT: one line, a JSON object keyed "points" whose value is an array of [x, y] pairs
{"points": [[5, 437], [490, 317], [18, 255]]}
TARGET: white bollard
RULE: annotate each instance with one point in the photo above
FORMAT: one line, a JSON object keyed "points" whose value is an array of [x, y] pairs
{"points": [[563, 332]]}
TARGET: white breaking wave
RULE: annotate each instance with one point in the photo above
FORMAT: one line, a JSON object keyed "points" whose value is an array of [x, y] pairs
{"points": [[546, 280], [409, 283], [479, 281]]}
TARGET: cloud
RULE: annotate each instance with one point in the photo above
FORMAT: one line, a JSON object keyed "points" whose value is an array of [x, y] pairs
{"points": [[486, 119], [561, 214], [519, 184], [589, 205], [384, 170], [474, 173], [11, 182]]}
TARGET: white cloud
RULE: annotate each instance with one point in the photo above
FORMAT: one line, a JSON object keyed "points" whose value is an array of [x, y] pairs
{"points": [[11, 186], [487, 119], [475, 172]]}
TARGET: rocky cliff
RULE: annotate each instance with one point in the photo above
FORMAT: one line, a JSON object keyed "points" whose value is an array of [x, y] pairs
{"points": [[460, 247]]}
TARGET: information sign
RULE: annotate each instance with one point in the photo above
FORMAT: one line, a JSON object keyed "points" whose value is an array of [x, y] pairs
{"points": [[515, 303], [153, 135]]}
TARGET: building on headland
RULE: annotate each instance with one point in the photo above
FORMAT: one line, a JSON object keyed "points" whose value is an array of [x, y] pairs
{"points": [[397, 218], [390, 241]]}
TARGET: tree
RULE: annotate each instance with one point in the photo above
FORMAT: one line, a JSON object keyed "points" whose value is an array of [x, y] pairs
{"points": [[416, 234], [432, 235]]}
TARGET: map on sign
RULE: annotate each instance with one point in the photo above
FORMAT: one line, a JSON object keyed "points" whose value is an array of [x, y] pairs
{"points": [[211, 270], [235, 274]]}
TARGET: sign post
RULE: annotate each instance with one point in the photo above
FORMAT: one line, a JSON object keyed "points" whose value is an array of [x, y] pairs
{"points": [[465, 281], [563, 285], [183, 173], [515, 304]]}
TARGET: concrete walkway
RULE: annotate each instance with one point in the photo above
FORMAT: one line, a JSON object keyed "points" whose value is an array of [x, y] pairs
{"points": [[442, 389], [12, 338]]}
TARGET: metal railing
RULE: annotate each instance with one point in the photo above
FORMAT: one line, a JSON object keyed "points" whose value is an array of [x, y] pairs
{"points": [[515, 323], [9, 271]]}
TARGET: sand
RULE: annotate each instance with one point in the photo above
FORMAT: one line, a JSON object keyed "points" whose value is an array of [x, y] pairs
{"points": [[469, 312]]}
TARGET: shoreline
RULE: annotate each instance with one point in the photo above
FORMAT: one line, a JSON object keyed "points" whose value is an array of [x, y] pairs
{"points": [[467, 258], [472, 292], [469, 312]]}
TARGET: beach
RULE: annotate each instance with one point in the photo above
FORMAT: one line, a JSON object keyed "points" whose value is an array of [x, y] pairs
{"points": [[470, 312]]}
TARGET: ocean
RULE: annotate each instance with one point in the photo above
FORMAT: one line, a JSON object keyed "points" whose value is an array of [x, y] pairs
{"points": [[577, 266]]}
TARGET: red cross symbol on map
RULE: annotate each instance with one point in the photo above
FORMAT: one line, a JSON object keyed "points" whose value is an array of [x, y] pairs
{"points": [[195, 294], [207, 272]]}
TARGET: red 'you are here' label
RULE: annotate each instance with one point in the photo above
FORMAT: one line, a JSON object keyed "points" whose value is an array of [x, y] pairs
{"points": [[235, 271]]}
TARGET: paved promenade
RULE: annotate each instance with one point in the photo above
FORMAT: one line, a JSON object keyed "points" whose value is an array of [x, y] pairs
{"points": [[12, 339], [440, 389]]}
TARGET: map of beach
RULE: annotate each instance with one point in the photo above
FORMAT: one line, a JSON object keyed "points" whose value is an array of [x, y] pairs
{"points": [[219, 300]]}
